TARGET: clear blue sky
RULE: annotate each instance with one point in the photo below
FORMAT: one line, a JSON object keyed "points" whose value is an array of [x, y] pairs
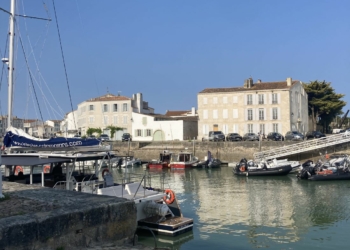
{"points": [[171, 50]]}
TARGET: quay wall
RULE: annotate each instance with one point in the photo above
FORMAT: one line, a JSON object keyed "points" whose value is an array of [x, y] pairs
{"points": [[225, 151], [63, 219]]}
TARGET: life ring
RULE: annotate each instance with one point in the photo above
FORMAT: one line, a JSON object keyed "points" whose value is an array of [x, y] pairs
{"points": [[104, 171], [46, 169], [169, 196], [18, 169]]}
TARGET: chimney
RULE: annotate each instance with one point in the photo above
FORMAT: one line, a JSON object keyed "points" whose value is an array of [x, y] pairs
{"points": [[289, 81], [193, 113], [259, 81], [248, 83]]}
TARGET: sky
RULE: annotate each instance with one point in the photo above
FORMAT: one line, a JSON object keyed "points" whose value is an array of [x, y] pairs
{"points": [[169, 50]]}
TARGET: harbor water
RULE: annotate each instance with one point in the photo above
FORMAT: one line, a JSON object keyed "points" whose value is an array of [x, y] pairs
{"points": [[235, 212]]}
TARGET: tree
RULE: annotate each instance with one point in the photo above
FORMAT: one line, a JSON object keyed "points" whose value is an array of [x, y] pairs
{"points": [[113, 129], [90, 131], [324, 104]]}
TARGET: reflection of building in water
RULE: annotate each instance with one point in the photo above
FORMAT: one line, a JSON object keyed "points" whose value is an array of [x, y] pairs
{"points": [[226, 200]]}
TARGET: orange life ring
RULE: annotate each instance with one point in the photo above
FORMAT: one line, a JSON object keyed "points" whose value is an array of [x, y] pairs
{"points": [[169, 196], [18, 169], [104, 171], [242, 169], [47, 169]]}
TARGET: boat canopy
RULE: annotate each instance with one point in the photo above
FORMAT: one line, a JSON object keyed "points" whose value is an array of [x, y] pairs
{"points": [[18, 138]]}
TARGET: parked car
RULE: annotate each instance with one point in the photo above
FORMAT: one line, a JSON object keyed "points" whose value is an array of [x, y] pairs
{"points": [[294, 136], [126, 137], [104, 137], [233, 137], [216, 136], [314, 134], [274, 136], [250, 137]]}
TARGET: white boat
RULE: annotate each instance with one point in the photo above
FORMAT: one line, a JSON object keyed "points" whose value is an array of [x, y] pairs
{"points": [[183, 160], [130, 161]]}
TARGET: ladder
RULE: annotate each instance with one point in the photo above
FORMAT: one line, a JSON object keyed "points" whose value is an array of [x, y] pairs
{"points": [[303, 146]]}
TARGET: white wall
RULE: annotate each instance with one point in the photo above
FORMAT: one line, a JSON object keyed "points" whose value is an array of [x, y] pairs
{"points": [[173, 130]]}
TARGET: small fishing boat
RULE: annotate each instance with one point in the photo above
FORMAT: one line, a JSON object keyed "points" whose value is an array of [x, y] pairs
{"points": [[336, 168], [162, 162], [130, 161], [209, 162], [183, 160], [263, 168]]}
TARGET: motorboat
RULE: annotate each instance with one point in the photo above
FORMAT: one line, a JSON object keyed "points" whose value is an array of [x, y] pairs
{"points": [[130, 161], [162, 162], [296, 165], [183, 160], [91, 172], [263, 168], [209, 162], [335, 168]]}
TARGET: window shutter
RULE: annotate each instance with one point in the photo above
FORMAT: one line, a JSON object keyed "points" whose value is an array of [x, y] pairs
{"points": [[245, 99], [279, 113], [270, 98], [271, 114], [135, 133], [278, 98], [265, 114]]}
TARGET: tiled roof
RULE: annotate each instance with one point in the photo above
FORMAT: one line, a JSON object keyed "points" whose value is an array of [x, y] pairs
{"points": [[176, 113], [256, 86], [30, 120], [109, 97]]}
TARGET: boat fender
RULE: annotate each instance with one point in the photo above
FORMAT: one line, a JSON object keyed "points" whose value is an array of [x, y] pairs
{"points": [[18, 169], [104, 171], [47, 169], [169, 196], [242, 168]]}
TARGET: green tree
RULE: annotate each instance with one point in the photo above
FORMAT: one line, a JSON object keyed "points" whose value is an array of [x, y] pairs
{"points": [[90, 131], [114, 129], [324, 104]]}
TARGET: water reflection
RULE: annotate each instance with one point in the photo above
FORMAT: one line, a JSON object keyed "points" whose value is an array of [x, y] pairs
{"points": [[259, 211]]}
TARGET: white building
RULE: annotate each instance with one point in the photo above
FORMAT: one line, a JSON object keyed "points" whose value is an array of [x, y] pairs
{"points": [[69, 125]]}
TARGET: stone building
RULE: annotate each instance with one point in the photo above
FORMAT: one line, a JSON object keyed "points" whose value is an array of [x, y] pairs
{"points": [[255, 107], [109, 109]]}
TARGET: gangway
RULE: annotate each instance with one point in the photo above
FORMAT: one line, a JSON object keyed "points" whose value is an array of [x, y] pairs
{"points": [[303, 146]]}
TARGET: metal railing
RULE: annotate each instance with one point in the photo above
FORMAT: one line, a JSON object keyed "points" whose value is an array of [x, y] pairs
{"points": [[302, 147]]}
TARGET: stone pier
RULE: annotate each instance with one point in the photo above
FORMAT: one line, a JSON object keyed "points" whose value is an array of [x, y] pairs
{"points": [[33, 217]]}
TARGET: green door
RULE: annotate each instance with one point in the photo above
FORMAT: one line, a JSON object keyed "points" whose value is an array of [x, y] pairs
{"points": [[158, 135]]}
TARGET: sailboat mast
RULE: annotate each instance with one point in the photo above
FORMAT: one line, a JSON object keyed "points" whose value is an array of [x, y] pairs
{"points": [[11, 62]]}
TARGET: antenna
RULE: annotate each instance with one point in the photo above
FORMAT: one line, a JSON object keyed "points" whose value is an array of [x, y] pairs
{"points": [[119, 92], [107, 91]]}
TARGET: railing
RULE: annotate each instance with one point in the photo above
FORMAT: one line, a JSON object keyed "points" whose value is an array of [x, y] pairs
{"points": [[303, 146]]}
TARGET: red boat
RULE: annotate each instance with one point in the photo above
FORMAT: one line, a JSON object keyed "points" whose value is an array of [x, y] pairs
{"points": [[163, 162], [183, 160]]}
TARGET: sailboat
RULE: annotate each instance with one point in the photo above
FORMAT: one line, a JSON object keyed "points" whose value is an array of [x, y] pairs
{"points": [[157, 208]]}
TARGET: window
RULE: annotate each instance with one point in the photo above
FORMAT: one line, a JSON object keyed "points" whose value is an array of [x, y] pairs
{"points": [[91, 119], [250, 128], [249, 99], [105, 120], [115, 107], [205, 100], [235, 113], [91, 107], [225, 129], [144, 121], [274, 98], [261, 99], [224, 114], [275, 127], [250, 114], [215, 100], [148, 132], [125, 107], [125, 119], [234, 99], [205, 114], [105, 107], [138, 132], [262, 129], [274, 113], [115, 119], [224, 99], [205, 129], [215, 114], [261, 114]]}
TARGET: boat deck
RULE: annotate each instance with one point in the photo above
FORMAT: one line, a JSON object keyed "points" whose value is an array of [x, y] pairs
{"points": [[171, 226]]}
